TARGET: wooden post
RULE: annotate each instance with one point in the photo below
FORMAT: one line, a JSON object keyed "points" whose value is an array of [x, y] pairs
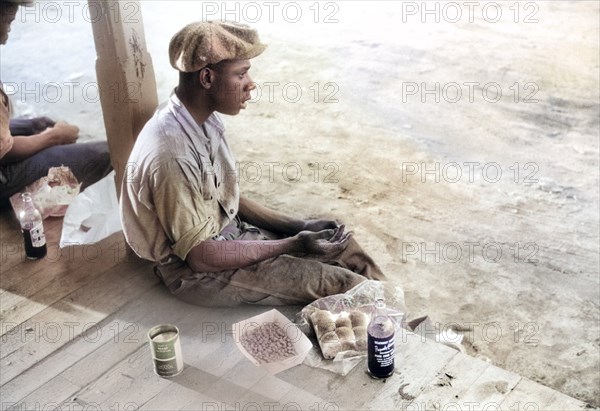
{"points": [[125, 75]]}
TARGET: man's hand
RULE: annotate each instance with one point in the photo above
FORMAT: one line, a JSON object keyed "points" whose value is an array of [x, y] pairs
{"points": [[63, 133], [24, 147], [322, 244], [319, 225]]}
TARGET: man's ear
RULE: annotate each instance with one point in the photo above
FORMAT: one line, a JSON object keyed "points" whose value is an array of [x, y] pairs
{"points": [[206, 77]]}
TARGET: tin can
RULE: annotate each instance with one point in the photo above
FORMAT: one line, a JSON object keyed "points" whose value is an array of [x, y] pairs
{"points": [[166, 350]]}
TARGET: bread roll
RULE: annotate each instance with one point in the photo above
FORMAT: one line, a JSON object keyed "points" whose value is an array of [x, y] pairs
{"points": [[321, 316], [348, 345], [359, 319], [361, 344], [322, 321], [329, 338], [360, 332], [345, 334], [343, 321], [325, 327], [331, 349]]}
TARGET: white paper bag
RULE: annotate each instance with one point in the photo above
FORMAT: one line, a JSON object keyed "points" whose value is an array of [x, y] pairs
{"points": [[93, 215]]}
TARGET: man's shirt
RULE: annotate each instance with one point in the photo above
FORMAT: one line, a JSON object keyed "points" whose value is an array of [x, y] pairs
{"points": [[180, 186], [6, 140]]}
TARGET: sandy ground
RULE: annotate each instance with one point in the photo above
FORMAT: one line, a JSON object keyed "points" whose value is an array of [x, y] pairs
{"points": [[462, 152]]}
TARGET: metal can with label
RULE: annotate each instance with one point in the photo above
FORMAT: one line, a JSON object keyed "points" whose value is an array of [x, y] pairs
{"points": [[166, 350]]}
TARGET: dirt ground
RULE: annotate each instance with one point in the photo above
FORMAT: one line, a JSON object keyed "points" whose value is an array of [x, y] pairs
{"points": [[462, 152]]}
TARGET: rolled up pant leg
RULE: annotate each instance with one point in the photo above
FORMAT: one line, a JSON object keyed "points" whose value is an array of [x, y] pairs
{"points": [[278, 281]]}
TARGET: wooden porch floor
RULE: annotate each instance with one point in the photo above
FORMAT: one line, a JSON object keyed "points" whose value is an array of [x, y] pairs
{"points": [[73, 336]]}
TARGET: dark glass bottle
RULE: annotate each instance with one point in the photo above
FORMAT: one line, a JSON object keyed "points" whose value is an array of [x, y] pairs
{"points": [[380, 343], [32, 228]]}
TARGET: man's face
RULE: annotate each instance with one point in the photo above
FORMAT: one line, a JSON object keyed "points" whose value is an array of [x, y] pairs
{"points": [[232, 86], [8, 12]]}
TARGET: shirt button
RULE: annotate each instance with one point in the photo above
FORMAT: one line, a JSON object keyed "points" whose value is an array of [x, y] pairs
{"points": [[231, 210]]}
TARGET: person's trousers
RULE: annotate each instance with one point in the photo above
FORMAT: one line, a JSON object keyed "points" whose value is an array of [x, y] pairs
{"points": [[89, 162], [277, 281]]}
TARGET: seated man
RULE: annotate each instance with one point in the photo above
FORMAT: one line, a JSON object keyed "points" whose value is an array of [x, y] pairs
{"points": [[28, 148], [180, 200]]}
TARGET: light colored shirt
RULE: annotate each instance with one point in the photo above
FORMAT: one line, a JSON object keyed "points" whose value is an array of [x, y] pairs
{"points": [[6, 139], [180, 186]]}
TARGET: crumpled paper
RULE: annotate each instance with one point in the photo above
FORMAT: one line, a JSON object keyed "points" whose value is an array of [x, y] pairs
{"points": [[93, 215], [51, 194]]}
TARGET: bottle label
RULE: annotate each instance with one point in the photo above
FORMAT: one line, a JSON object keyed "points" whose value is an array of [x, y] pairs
{"points": [[381, 355], [38, 239]]}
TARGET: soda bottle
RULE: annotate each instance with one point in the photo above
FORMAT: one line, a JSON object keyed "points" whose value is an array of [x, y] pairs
{"points": [[380, 343], [32, 229]]}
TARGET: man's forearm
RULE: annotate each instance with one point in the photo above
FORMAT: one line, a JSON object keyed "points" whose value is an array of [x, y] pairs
{"points": [[263, 217], [24, 147], [213, 256]]}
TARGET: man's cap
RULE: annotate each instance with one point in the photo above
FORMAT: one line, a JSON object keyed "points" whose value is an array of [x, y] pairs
{"points": [[209, 42]]}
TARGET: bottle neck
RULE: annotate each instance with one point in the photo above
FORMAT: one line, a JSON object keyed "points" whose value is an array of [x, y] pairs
{"points": [[27, 200], [28, 205], [379, 306]]}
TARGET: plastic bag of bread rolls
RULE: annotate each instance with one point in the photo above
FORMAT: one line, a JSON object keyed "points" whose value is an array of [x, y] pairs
{"points": [[339, 323], [339, 332]]}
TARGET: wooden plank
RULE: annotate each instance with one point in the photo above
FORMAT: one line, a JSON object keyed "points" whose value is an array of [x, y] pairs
{"points": [[489, 390], [125, 76], [57, 260], [55, 392], [136, 374], [208, 354], [88, 356], [15, 267], [358, 388], [201, 387], [132, 325], [56, 279], [301, 399], [418, 362], [215, 368], [127, 385], [12, 249], [255, 401], [109, 289], [225, 390], [461, 372], [272, 387], [21, 349], [528, 395], [318, 382], [17, 389], [181, 396], [243, 373], [103, 374], [233, 376]]}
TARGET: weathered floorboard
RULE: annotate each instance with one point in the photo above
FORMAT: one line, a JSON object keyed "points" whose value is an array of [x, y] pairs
{"points": [[101, 358]]}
